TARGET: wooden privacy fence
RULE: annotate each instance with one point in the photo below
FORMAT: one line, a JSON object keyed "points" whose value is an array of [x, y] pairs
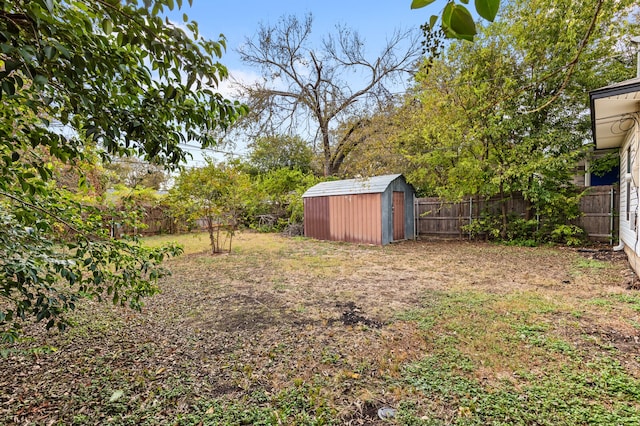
{"points": [[599, 207], [438, 218], [156, 220]]}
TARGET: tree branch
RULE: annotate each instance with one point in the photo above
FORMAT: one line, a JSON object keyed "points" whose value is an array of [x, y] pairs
{"points": [[42, 210]]}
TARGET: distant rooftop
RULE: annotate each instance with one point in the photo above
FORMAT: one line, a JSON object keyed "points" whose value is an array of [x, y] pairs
{"points": [[372, 185]]}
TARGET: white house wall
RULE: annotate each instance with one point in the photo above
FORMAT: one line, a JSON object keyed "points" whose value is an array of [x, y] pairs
{"points": [[629, 193]]}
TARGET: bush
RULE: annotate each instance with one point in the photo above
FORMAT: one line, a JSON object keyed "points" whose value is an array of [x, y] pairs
{"points": [[570, 235]]}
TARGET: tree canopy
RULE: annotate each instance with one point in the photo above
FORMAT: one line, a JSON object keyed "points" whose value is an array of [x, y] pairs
{"points": [[507, 114], [80, 77], [215, 194], [268, 153], [306, 84]]}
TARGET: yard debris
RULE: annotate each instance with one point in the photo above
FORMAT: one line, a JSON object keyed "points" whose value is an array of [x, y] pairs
{"points": [[386, 413], [353, 316]]}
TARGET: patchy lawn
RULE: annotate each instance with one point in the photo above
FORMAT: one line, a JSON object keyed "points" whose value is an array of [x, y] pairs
{"points": [[295, 331]]}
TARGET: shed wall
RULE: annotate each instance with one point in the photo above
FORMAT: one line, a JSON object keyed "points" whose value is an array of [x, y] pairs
{"points": [[398, 185], [360, 217], [356, 218], [316, 218]]}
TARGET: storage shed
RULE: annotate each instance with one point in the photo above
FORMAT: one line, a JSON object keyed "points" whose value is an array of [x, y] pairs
{"points": [[375, 210]]}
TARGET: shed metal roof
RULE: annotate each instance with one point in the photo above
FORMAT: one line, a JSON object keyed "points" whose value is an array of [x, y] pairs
{"points": [[372, 185]]}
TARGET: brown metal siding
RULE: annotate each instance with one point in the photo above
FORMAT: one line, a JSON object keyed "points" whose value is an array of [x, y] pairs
{"points": [[398, 215], [316, 218], [356, 218]]}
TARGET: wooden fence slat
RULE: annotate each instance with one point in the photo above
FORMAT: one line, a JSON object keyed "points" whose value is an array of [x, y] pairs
{"points": [[599, 207]]}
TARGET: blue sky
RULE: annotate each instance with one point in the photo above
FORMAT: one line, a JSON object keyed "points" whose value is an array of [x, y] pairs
{"points": [[237, 20]]}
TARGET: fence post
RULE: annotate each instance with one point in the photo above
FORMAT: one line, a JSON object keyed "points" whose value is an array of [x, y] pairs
{"points": [[416, 210], [470, 215], [611, 214]]}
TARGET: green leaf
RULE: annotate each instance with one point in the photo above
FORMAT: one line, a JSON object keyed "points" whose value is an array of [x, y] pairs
{"points": [[7, 87], [11, 65], [170, 93], [461, 22], [116, 395], [49, 52], [433, 20], [40, 79], [488, 9], [417, 4], [107, 26]]}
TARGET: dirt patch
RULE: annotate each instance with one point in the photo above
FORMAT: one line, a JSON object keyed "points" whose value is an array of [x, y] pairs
{"points": [[603, 254], [364, 414], [352, 315], [621, 338]]}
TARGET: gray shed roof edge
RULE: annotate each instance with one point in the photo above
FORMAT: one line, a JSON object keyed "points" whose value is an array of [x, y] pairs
{"points": [[372, 185]]}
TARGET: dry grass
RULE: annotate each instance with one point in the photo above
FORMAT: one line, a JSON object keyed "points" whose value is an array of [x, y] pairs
{"points": [[294, 331]]}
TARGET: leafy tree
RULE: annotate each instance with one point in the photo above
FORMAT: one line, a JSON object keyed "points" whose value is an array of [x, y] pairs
{"points": [[280, 151], [278, 198], [76, 74], [134, 173], [216, 194], [375, 154], [506, 114], [303, 82]]}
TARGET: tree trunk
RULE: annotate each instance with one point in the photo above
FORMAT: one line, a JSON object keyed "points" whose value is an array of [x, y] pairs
{"points": [[212, 238]]}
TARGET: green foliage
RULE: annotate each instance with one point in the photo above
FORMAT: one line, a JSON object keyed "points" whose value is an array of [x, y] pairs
{"points": [[278, 201], [112, 72], [135, 174], [570, 235], [217, 194], [586, 387], [600, 166], [598, 392], [506, 114], [522, 232], [119, 80], [281, 151], [456, 20], [44, 277], [487, 226]]}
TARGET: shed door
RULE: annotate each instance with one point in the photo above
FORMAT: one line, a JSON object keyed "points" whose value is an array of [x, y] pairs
{"points": [[398, 215]]}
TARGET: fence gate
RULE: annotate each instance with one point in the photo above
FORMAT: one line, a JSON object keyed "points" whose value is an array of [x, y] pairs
{"points": [[599, 207]]}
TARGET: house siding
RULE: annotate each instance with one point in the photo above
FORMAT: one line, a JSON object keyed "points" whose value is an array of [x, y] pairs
{"points": [[629, 190]]}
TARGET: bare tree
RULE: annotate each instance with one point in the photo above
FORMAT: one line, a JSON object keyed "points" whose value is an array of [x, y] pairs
{"points": [[316, 86]]}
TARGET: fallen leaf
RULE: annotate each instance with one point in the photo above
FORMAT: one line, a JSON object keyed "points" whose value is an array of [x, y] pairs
{"points": [[116, 395]]}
